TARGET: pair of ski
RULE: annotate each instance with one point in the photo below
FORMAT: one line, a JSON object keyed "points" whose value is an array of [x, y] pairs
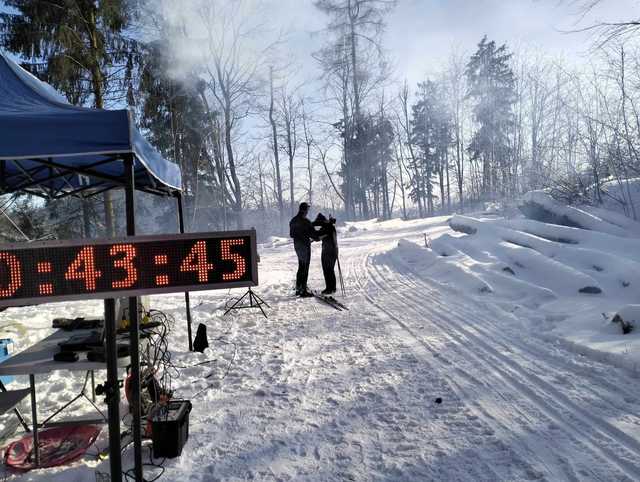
{"points": [[331, 301]]}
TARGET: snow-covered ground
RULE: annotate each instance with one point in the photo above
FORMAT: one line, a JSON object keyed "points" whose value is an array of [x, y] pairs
{"points": [[520, 360]]}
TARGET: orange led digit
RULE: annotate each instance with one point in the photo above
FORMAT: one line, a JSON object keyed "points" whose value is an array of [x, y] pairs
{"points": [[84, 268], [44, 267], [15, 275], [160, 259], [227, 255], [45, 289], [162, 280], [125, 263], [197, 261]]}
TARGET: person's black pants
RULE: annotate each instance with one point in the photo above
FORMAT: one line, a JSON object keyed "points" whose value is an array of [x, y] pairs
{"points": [[304, 260], [328, 265]]}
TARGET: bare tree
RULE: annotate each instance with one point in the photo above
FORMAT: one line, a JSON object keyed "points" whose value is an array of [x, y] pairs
{"points": [[308, 142], [405, 124], [353, 58], [290, 112], [605, 31], [276, 150], [233, 60]]}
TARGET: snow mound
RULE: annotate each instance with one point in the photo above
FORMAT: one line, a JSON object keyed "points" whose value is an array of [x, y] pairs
{"points": [[572, 270], [448, 271], [540, 206], [622, 197], [569, 275]]}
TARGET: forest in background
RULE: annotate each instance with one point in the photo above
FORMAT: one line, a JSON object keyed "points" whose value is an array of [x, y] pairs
{"points": [[213, 88]]}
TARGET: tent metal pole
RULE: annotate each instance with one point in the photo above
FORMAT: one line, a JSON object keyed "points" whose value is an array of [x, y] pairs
{"points": [[112, 390], [186, 294], [134, 333]]}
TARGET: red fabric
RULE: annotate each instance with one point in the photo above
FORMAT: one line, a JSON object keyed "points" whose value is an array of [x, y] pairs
{"points": [[58, 446]]}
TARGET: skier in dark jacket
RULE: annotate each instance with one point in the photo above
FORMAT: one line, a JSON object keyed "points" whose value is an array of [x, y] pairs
{"points": [[329, 238], [302, 232]]}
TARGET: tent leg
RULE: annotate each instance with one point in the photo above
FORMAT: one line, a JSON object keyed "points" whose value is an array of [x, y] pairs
{"points": [[134, 335], [113, 391], [186, 294]]}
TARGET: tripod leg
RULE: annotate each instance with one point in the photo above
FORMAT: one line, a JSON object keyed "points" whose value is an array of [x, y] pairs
{"points": [[257, 301], [238, 301], [262, 302]]}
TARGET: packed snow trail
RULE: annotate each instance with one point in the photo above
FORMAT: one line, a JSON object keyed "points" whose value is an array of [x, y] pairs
{"points": [[317, 394], [351, 395], [535, 396]]}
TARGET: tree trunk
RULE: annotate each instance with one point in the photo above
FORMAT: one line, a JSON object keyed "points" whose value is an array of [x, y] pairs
{"points": [[402, 191], [290, 152], [385, 194], [237, 188], [97, 80], [276, 156], [308, 141], [446, 156], [217, 159]]}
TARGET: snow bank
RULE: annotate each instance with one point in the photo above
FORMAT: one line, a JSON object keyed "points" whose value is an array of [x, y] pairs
{"points": [[445, 271], [531, 257], [615, 218], [572, 275], [541, 206], [622, 197]]}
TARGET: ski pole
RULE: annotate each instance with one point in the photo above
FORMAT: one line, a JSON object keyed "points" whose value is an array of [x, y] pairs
{"points": [[339, 268], [340, 274]]}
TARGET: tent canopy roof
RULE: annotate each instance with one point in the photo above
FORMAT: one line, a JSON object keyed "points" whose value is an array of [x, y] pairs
{"points": [[51, 148]]}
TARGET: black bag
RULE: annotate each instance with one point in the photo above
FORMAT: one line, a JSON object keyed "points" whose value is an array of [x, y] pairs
{"points": [[201, 342]]}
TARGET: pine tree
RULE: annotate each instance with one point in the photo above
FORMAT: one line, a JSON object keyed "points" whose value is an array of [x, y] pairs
{"points": [[78, 46], [178, 123], [492, 87], [431, 136], [353, 65]]}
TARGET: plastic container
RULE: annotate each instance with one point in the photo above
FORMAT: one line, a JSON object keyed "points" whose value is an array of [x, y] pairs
{"points": [[170, 429]]}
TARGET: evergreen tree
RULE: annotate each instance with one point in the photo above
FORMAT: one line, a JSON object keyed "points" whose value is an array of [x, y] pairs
{"points": [[178, 123], [380, 137], [492, 86], [78, 46], [354, 66], [431, 136]]}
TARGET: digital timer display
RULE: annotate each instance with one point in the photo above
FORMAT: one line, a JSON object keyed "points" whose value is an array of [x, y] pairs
{"points": [[68, 270]]}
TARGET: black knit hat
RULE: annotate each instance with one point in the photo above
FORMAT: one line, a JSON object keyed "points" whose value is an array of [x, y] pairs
{"points": [[304, 207]]}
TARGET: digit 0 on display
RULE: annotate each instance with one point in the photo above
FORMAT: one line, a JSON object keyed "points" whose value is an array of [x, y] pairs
{"points": [[72, 270]]}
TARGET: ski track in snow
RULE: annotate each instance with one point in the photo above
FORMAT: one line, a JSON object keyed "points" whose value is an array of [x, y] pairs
{"points": [[314, 394]]}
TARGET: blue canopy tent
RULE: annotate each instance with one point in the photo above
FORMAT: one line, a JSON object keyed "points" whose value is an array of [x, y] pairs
{"points": [[52, 149]]}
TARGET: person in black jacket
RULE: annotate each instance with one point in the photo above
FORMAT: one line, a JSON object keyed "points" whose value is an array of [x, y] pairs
{"points": [[302, 232], [329, 257]]}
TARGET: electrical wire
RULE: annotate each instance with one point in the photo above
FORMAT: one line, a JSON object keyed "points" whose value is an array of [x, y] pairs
{"points": [[160, 371]]}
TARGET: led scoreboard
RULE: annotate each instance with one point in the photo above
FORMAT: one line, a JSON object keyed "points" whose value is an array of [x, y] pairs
{"points": [[71, 270]]}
